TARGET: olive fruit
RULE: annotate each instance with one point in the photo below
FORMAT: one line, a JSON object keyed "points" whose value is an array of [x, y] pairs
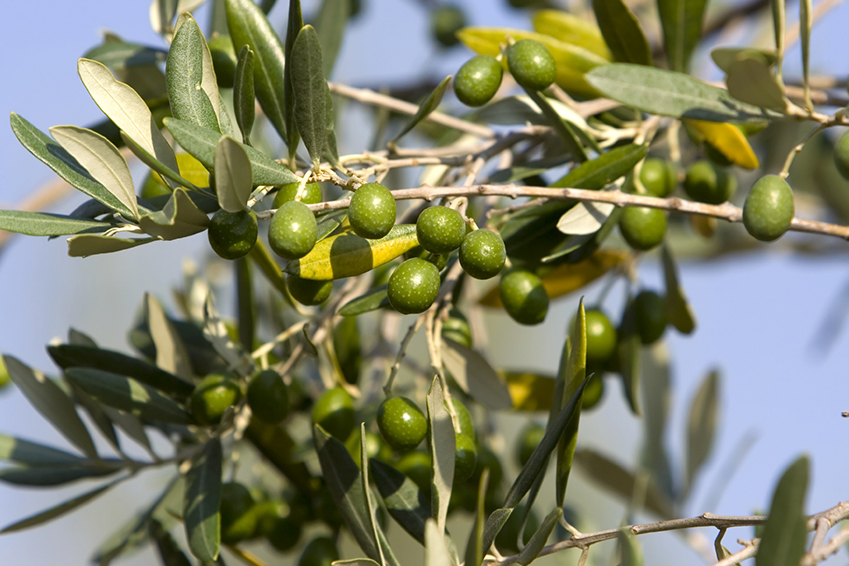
{"points": [[286, 193], [769, 208], [478, 80], [212, 396], [440, 230], [593, 392], [658, 177], [402, 424], [531, 64], [465, 457], [238, 521], [413, 286], [268, 397], [482, 254], [643, 228], [649, 316], [372, 211], [284, 533], [416, 465], [375, 447], [292, 231], [334, 412], [445, 22], [709, 184], [841, 155], [320, 551], [524, 297], [456, 328], [529, 439], [307, 291], [464, 418], [223, 59], [601, 337], [232, 234]]}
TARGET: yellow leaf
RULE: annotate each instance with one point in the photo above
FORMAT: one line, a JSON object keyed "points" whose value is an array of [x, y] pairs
{"points": [[193, 170], [569, 277], [529, 391], [727, 139], [571, 29], [572, 61], [347, 255]]}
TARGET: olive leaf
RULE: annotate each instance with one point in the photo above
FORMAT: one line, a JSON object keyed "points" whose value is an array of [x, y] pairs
{"points": [[85, 245], [604, 169], [171, 353], [232, 175], [294, 24], [622, 32], [785, 531], [179, 218], [539, 538], [309, 87], [657, 399], [201, 500], [678, 309], [44, 224], [630, 551], [244, 97], [120, 54], [34, 454], [403, 499], [727, 139], [49, 476], [567, 135], [573, 376], [155, 164], [494, 523], [475, 376], [370, 301], [330, 24], [428, 105], [701, 426], [521, 109], [750, 80], [681, 21], [436, 551], [261, 256], [572, 29], [585, 218], [629, 349], [185, 77], [441, 445], [209, 82]]}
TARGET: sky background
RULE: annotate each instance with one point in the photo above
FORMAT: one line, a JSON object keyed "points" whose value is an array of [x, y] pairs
{"points": [[758, 315]]}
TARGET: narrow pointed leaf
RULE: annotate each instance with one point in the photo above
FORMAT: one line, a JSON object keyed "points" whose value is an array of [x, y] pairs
{"points": [[564, 130], [681, 21], [701, 425], [785, 532], [630, 551], [293, 27], [244, 96], [572, 29], [521, 109], [539, 538], [629, 349], [179, 218], [364, 477], [427, 106], [171, 354], [622, 32], [200, 503], [155, 164], [574, 377], [668, 93], [309, 87], [103, 161], [403, 499], [751, 81], [585, 218], [85, 245], [474, 546], [657, 397], [126, 109], [128, 395], [201, 143], [49, 476], [475, 376], [806, 22], [249, 26], [44, 224], [58, 510], [97, 414], [371, 301], [330, 24], [122, 54], [728, 140], [436, 551], [494, 523], [232, 175], [184, 74], [331, 152], [131, 425], [209, 83], [169, 551], [441, 445], [34, 454], [53, 404], [678, 309], [261, 256], [604, 169]]}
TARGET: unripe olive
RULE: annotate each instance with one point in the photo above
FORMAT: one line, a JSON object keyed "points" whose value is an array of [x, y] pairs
{"points": [[769, 208], [708, 183], [643, 228], [293, 231], [524, 296], [531, 64], [841, 155], [372, 211], [445, 22], [658, 176], [232, 234], [478, 80], [288, 192], [650, 316]]}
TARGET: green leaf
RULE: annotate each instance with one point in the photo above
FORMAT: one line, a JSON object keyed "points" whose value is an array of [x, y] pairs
{"points": [[121, 54], [785, 531], [232, 175], [436, 551], [97, 414], [85, 245], [180, 218], [725, 57], [169, 551], [331, 152], [157, 165], [328, 223], [564, 130], [171, 353], [539, 538], [631, 553], [441, 445], [57, 158], [668, 93], [365, 485], [126, 109], [58, 510], [677, 308], [103, 161], [34, 454], [244, 96], [474, 546], [309, 87], [370, 301], [681, 21], [572, 29], [521, 109], [604, 169], [619, 481], [245, 304], [201, 143], [494, 523], [261, 256], [53, 404], [342, 477], [184, 73], [403, 499], [127, 394], [750, 80], [427, 106], [657, 398], [44, 224], [629, 349], [209, 82], [701, 425], [622, 32], [200, 503], [330, 24], [293, 28], [49, 476], [585, 218], [249, 26], [475, 376]]}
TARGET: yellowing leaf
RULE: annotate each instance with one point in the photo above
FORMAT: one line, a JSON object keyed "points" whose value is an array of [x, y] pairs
{"points": [[569, 277], [529, 391], [193, 170], [572, 61], [571, 29], [727, 139]]}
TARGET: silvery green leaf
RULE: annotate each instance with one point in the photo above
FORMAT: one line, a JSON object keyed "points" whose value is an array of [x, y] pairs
{"points": [[126, 109], [539, 538], [53, 404], [171, 353], [436, 551], [475, 376], [85, 245], [622, 32], [232, 175], [34, 454], [750, 80], [785, 532], [441, 445], [244, 97], [154, 163], [208, 83], [294, 24], [180, 217], [122, 54], [677, 307], [309, 87], [630, 551], [80, 338], [681, 21], [701, 425], [474, 546], [366, 486], [102, 160], [50, 476], [564, 130], [403, 499], [516, 110], [44, 224], [657, 399], [216, 332], [585, 218], [184, 74], [97, 414], [132, 426], [201, 499], [494, 523], [330, 24], [427, 106]]}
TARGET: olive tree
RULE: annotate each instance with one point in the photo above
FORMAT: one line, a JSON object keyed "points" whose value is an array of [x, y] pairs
{"points": [[306, 413]]}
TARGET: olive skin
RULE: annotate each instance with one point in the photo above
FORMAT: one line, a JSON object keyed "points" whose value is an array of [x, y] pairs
{"points": [[524, 296], [238, 522], [320, 551], [293, 231], [658, 177], [841, 155], [709, 184], [601, 337], [465, 457], [223, 59], [769, 208], [308, 292], [268, 397], [413, 286], [416, 465], [482, 254], [334, 412], [212, 396], [529, 439], [232, 234], [445, 22], [478, 80], [593, 392], [650, 316], [402, 424], [456, 327], [440, 230], [372, 211], [531, 64], [643, 228], [464, 418], [286, 193]]}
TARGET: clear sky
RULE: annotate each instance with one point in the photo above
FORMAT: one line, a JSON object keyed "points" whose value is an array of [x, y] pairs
{"points": [[758, 314]]}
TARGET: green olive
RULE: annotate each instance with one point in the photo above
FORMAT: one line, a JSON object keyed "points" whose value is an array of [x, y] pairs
{"points": [[769, 208]]}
